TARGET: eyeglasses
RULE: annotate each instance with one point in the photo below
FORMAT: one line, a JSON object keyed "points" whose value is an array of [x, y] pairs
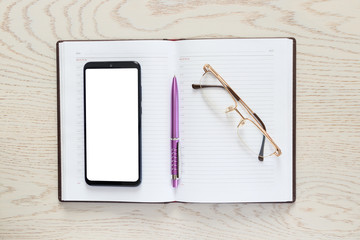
{"points": [[251, 130]]}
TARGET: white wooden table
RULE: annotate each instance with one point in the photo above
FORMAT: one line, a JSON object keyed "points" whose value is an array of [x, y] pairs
{"points": [[328, 113]]}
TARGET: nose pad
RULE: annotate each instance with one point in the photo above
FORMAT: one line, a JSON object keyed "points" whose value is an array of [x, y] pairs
{"points": [[241, 123], [229, 109]]}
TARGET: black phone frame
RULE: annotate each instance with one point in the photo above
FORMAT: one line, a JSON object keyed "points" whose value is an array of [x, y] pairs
{"points": [[111, 65]]}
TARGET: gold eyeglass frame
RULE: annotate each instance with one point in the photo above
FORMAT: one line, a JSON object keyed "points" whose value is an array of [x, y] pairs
{"points": [[255, 119]]}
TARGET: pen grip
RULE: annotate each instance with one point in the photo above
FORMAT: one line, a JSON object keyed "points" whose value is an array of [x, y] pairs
{"points": [[175, 158]]}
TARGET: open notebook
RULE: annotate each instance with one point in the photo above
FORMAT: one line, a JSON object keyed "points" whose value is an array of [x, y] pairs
{"points": [[214, 167]]}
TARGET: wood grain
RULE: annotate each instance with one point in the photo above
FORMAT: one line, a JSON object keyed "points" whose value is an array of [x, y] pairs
{"points": [[328, 113]]}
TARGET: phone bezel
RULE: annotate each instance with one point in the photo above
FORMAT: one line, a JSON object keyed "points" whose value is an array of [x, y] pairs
{"points": [[112, 65]]}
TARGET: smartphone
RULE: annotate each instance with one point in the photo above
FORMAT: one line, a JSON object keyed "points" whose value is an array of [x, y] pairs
{"points": [[112, 114]]}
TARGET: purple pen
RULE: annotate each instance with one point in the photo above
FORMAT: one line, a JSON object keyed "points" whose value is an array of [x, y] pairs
{"points": [[174, 134]]}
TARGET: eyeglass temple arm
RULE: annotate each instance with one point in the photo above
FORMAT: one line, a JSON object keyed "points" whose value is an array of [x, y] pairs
{"points": [[261, 152], [198, 86], [277, 152], [257, 118]]}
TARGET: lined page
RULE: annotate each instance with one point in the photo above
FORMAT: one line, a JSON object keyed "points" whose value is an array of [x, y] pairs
{"points": [[215, 165], [156, 60]]}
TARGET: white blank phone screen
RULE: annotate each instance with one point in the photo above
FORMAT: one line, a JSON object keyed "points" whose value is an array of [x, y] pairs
{"points": [[112, 134]]}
